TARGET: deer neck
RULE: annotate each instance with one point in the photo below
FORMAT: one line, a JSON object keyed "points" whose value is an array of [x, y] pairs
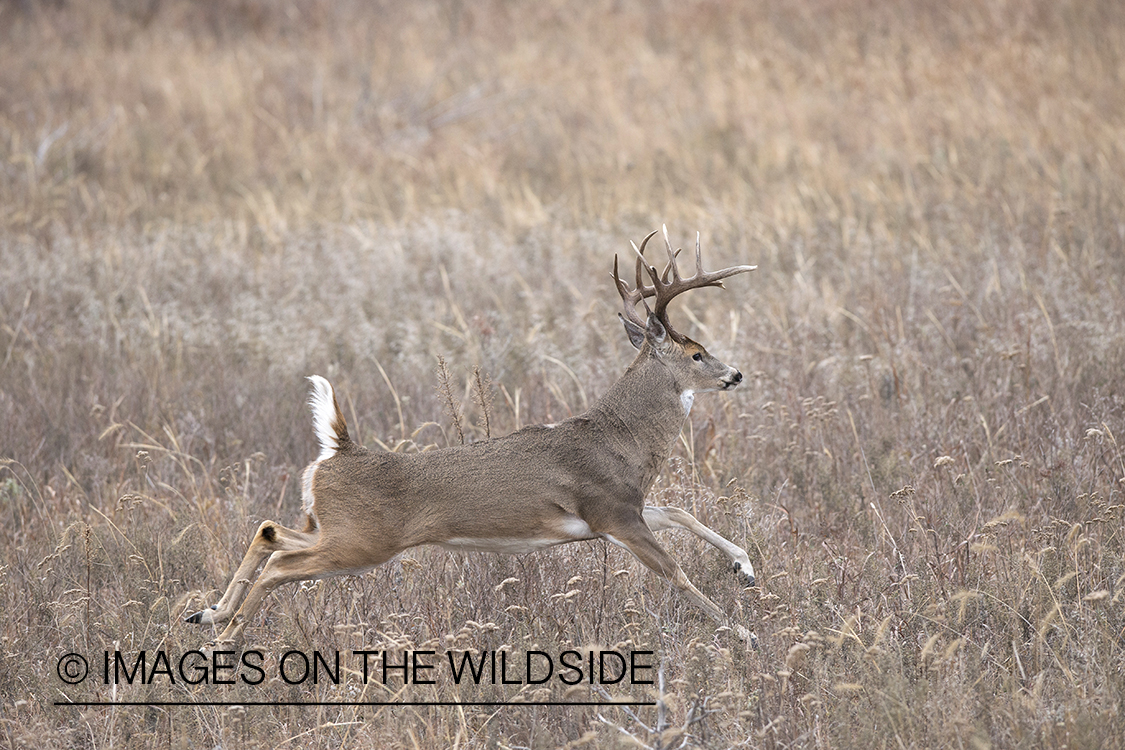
{"points": [[645, 411]]}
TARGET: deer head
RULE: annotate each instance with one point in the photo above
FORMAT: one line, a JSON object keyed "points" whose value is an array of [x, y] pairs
{"points": [[694, 369]]}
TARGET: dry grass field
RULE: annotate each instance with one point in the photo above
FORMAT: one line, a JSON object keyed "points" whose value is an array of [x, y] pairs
{"points": [[201, 203]]}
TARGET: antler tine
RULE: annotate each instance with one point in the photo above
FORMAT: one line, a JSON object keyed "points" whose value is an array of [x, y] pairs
{"points": [[638, 294], [671, 267], [671, 257], [666, 290], [628, 296], [698, 256], [640, 279], [642, 263]]}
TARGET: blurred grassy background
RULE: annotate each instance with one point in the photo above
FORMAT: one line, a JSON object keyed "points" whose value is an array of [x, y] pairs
{"points": [[201, 203]]}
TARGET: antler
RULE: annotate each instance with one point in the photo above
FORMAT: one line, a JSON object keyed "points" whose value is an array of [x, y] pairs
{"points": [[632, 296], [666, 285]]}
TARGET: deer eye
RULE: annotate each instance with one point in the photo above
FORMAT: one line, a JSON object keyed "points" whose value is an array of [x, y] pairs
{"points": [[697, 357]]}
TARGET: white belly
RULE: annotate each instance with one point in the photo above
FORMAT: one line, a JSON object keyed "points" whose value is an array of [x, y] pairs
{"points": [[572, 529], [506, 546]]}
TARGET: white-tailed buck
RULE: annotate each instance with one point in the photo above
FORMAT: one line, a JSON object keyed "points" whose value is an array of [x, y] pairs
{"points": [[585, 478]]}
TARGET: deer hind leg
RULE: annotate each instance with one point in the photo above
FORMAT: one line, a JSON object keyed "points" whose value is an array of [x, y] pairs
{"points": [[319, 561], [270, 537], [675, 518]]}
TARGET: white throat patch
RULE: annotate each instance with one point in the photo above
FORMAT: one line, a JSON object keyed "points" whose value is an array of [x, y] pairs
{"points": [[687, 398]]}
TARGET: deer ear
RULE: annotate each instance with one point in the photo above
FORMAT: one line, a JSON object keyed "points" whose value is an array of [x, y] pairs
{"points": [[656, 332], [636, 333]]}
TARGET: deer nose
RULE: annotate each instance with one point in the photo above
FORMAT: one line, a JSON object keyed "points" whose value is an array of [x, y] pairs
{"points": [[737, 378]]}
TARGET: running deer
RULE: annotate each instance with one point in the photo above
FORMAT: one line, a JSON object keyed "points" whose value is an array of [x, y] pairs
{"points": [[584, 478]]}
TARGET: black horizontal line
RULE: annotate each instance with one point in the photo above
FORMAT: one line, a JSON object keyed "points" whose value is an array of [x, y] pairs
{"points": [[355, 703]]}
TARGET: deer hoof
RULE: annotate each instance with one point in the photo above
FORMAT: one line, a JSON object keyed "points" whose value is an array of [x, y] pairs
{"points": [[208, 649], [747, 578], [202, 618], [747, 636]]}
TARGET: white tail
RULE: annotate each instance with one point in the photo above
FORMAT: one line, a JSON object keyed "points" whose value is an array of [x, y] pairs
{"points": [[585, 478], [328, 423]]}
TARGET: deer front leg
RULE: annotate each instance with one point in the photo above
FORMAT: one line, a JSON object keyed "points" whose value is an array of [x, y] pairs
{"points": [[658, 519], [270, 537], [638, 539]]}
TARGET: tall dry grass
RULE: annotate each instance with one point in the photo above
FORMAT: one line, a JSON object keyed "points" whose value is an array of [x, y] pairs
{"points": [[201, 203]]}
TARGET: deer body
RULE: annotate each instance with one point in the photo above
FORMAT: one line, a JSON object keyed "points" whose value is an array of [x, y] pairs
{"points": [[583, 478]]}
